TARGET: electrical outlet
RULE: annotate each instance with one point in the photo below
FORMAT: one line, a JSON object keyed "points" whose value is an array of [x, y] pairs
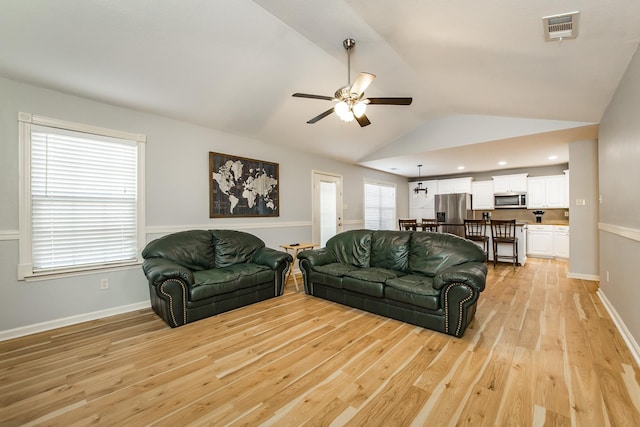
{"points": [[566, 213], [104, 284]]}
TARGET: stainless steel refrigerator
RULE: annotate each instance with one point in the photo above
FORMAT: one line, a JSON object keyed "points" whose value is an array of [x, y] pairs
{"points": [[452, 210]]}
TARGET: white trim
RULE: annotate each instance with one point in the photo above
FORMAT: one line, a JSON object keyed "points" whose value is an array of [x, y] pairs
{"points": [[9, 234], [80, 127], [593, 277], [71, 320], [629, 233], [634, 348], [164, 229]]}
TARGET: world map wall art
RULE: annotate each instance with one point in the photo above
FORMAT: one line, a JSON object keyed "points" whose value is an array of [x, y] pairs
{"points": [[242, 187]]}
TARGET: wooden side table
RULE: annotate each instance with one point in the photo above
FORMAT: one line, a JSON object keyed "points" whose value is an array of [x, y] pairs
{"points": [[296, 248]]}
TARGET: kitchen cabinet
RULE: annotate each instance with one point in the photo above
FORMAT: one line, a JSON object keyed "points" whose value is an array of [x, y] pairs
{"points": [[423, 207], [561, 241], [540, 240], [516, 183], [454, 185], [547, 192], [482, 192]]}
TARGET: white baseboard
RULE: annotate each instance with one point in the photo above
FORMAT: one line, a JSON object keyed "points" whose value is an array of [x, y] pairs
{"points": [[593, 277], [72, 320], [626, 335]]}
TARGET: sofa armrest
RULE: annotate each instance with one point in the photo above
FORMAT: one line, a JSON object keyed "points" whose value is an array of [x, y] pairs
{"points": [[271, 258], [317, 256], [159, 270], [473, 274]]}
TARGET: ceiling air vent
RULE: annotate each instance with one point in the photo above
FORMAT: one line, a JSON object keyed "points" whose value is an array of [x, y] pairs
{"points": [[559, 27]]}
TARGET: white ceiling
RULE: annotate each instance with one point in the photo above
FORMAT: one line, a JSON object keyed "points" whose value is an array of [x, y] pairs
{"points": [[485, 84]]}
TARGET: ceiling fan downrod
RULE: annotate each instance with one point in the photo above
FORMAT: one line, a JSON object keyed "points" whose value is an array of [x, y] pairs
{"points": [[349, 44]]}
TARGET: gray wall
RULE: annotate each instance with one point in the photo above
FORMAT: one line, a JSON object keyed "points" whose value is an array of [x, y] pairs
{"points": [[176, 198], [583, 184], [619, 157]]}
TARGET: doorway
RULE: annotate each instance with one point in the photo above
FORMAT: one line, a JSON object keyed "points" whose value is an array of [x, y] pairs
{"points": [[327, 206]]}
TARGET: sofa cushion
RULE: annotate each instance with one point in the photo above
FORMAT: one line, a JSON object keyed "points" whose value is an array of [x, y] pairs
{"points": [[192, 249], [334, 269], [326, 279], [390, 249], [234, 247], [352, 247], [431, 252], [224, 280], [373, 274], [375, 289], [414, 289]]}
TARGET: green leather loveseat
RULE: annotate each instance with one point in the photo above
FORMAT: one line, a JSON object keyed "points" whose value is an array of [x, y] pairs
{"points": [[198, 273], [427, 279]]}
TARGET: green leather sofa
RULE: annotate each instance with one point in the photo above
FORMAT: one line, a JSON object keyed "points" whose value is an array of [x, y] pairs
{"points": [[427, 279], [198, 273]]}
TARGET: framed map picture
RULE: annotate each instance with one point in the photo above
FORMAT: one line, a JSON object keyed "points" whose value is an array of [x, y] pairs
{"points": [[242, 187]]}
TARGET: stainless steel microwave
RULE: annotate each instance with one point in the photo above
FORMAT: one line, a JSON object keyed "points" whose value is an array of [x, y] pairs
{"points": [[509, 200]]}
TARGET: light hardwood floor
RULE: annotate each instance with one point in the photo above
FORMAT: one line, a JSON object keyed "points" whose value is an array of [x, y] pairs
{"points": [[542, 350]]}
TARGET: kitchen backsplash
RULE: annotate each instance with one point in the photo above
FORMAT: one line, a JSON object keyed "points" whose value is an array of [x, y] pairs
{"points": [[550, 215]]}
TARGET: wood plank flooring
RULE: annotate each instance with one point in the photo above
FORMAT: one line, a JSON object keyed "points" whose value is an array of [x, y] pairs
{"points": [[542, 351]]}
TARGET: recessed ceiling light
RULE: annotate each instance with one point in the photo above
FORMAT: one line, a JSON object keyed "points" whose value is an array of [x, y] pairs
{"points": [[552, 157], [502, 163], [460, 168]]}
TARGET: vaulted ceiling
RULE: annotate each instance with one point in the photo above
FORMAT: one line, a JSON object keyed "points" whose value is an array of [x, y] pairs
{"points": [[486, 86]]}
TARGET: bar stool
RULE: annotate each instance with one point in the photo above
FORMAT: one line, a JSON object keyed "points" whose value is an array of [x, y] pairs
{"points": [[429, 225], [407, 224], [504, 232], [476, 231]]}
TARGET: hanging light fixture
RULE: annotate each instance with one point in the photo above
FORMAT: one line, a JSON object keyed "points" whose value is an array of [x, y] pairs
{"points": [[419, 188]]}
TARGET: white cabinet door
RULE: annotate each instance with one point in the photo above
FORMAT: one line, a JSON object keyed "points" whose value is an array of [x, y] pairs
{"points": [[555, 191], [462, 185], [454, 185], [536, 195], [482, 192], [547, 192], [561, 241], [516, 183], [540, 240]]}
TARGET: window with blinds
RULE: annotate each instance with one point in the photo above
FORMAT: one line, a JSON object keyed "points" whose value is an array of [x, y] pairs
{"points": [[84, 200], [379, 206]]}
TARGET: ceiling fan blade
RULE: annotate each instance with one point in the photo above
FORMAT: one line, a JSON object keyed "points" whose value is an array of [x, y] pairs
{"points": [[307, 95], [321, 116], [390, 101], [363, 120], [362, 83]]}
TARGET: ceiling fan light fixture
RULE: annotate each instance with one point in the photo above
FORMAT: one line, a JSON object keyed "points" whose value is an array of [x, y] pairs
{"points": [[359, 109], [343, 110]]}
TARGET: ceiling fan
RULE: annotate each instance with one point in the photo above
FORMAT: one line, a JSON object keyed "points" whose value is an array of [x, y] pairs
{"points": [[351, 102]]}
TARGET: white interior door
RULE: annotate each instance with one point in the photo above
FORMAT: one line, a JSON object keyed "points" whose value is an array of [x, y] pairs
{"points": [[327, 206]]}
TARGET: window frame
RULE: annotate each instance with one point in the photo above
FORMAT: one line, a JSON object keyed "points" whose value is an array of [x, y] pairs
{"points": [[25, 262], [383, 184]]}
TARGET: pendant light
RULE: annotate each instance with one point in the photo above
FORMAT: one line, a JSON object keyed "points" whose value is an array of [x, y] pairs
{"points": [[419, 188]]}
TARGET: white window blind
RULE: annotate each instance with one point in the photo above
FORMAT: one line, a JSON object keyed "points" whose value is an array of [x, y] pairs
{"points": [[379, 206], [83, 199]]}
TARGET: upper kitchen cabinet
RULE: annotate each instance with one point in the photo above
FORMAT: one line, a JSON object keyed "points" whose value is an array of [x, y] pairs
{"points": [[482, 192], [422, 207], [547, 192], [454, 185], [516, 183]]}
